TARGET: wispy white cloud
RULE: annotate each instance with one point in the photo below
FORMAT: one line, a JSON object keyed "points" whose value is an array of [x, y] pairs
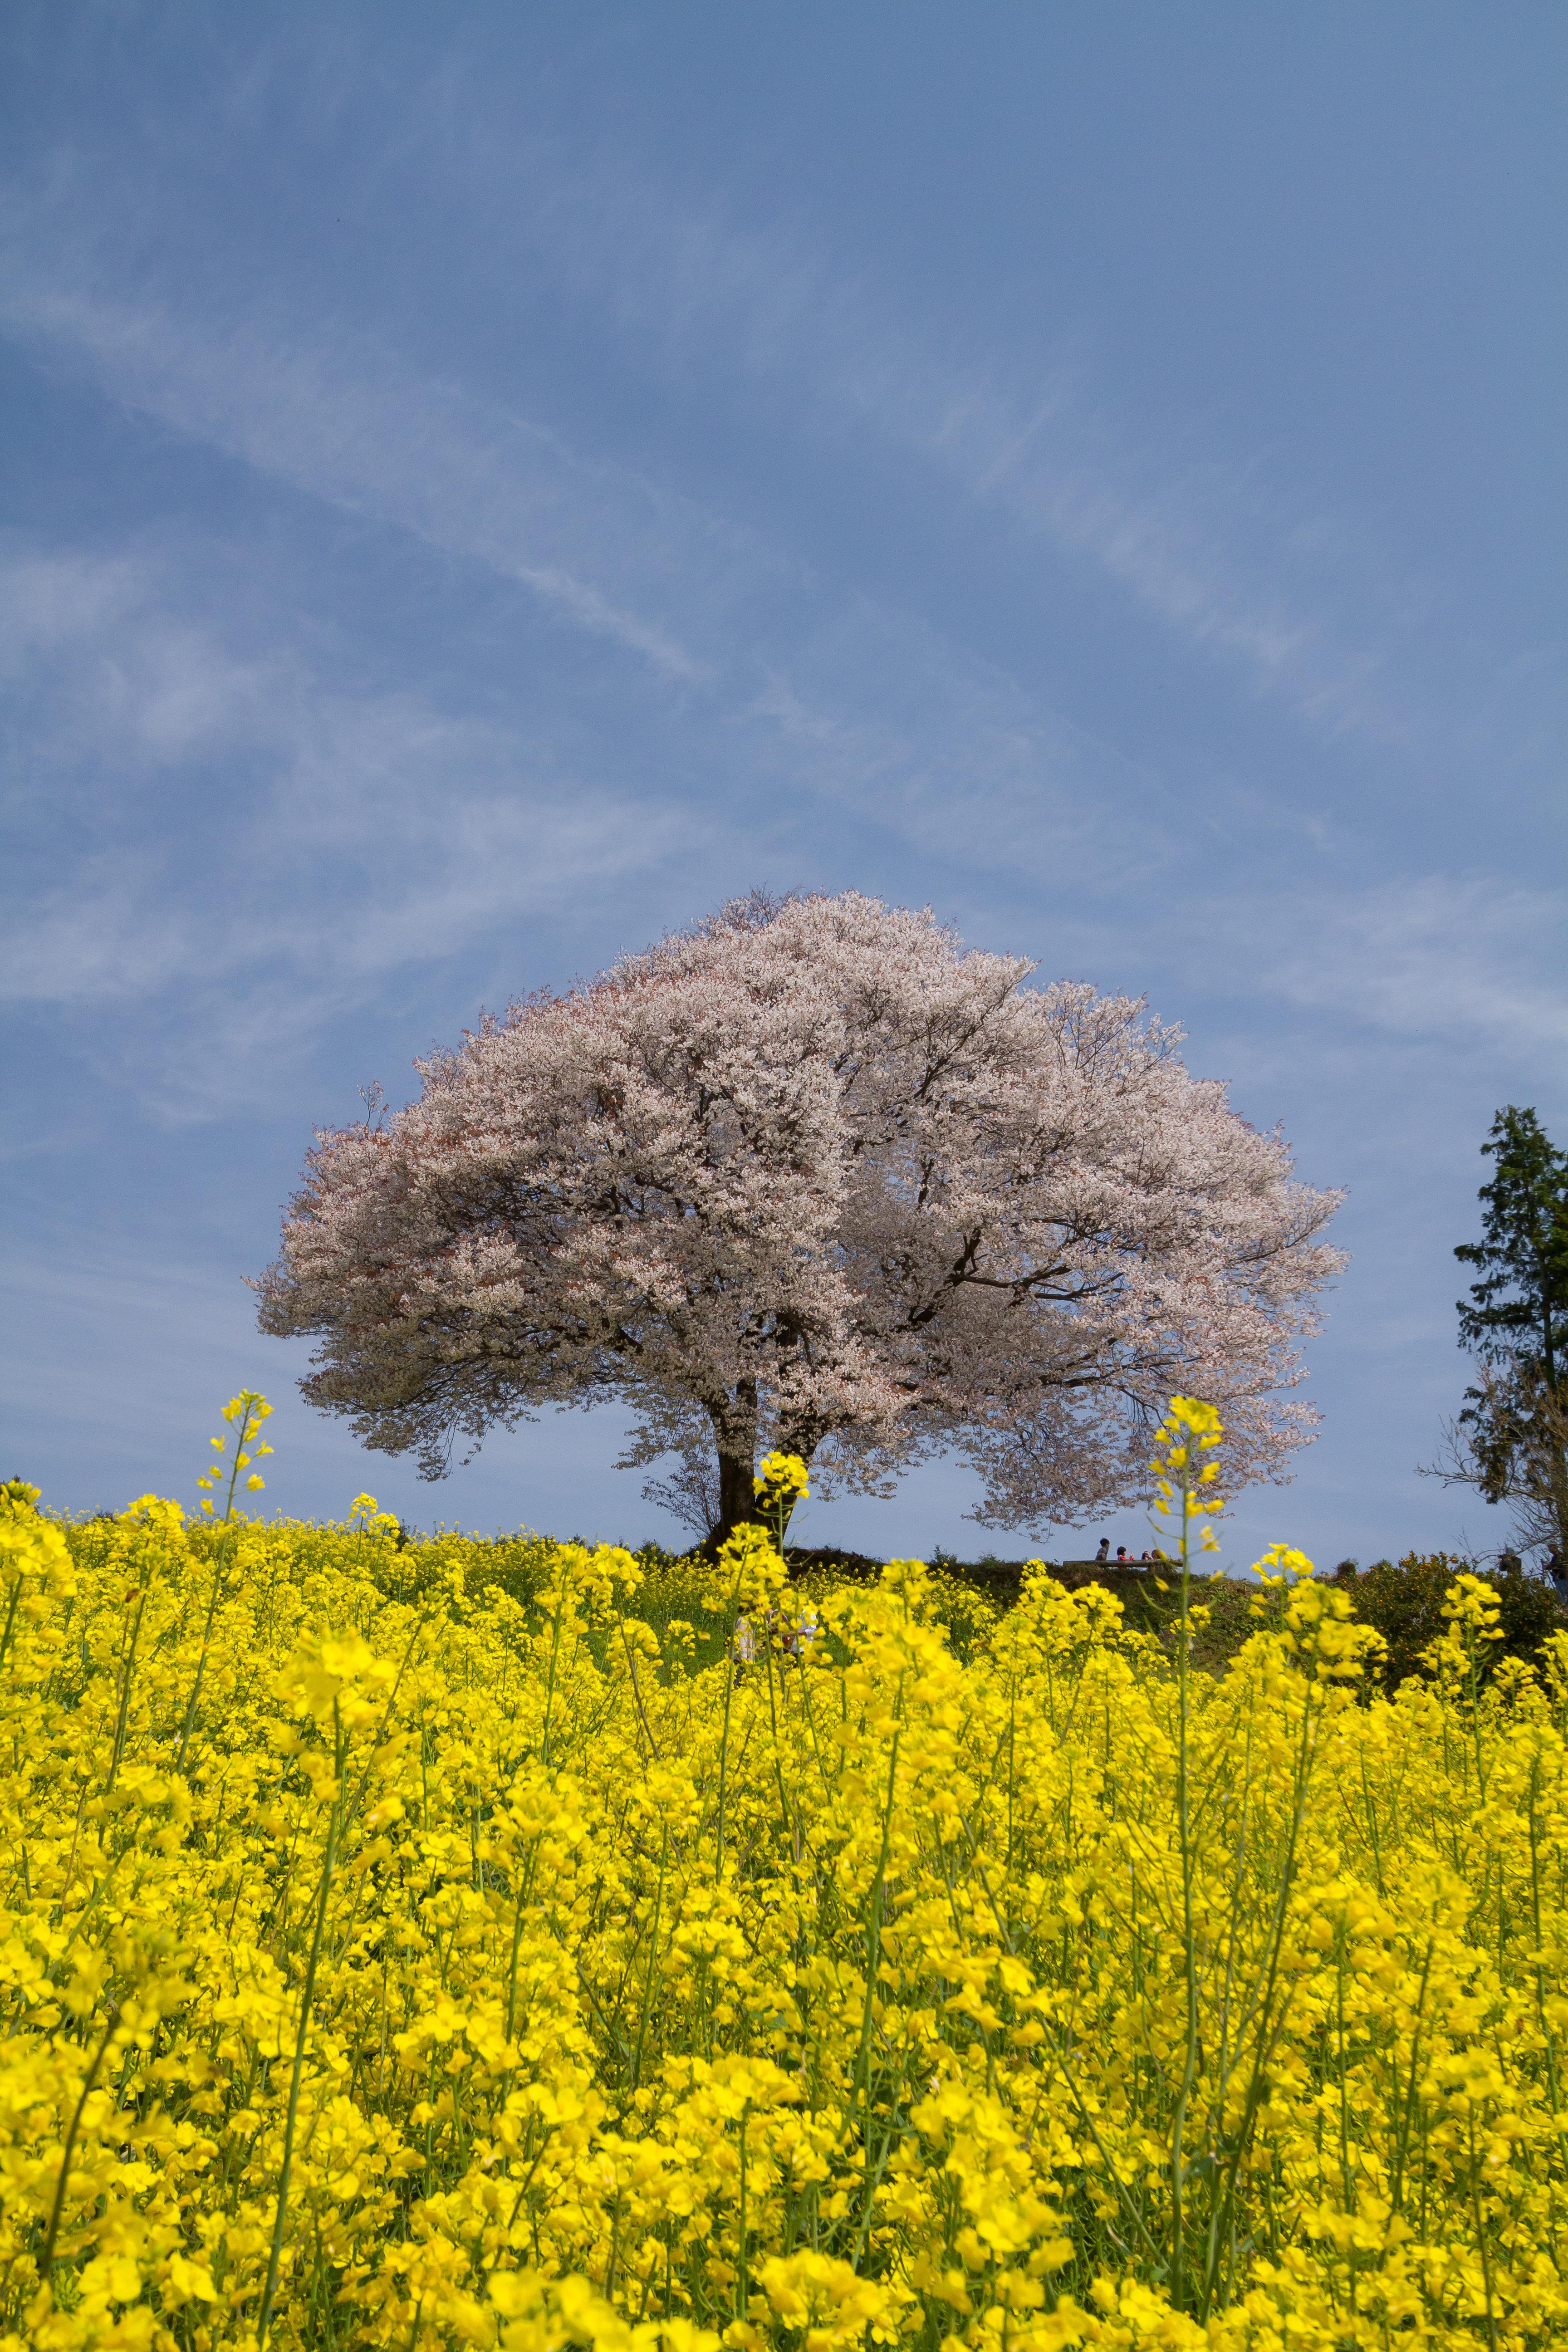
{"points": [[820, 703], [1407, 986], [380, 830], [377, 830], [781, 671], [876, 717], [1432, 957], [144, 678], [1217, 546], [384, 832], [799, 685], [595, 543]]}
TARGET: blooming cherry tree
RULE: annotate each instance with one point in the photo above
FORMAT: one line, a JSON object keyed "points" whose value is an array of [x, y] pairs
{"points": [[812, 1177]]}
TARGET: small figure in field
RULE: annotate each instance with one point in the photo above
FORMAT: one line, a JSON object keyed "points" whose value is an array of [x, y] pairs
{"points": [[1103, 1554], [1556, 1573], [793, 1640], [1123, 1557]]}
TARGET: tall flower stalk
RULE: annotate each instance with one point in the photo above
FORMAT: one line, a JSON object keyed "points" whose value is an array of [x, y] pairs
{"points": [[1187, 1501], [247, 1411]]}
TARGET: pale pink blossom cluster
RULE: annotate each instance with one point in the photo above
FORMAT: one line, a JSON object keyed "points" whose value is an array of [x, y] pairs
{"points": [[812, 1176]]}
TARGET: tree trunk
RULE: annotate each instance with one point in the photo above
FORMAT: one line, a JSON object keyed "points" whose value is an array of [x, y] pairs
{"points": [[737, 1503], [735, 1436]]}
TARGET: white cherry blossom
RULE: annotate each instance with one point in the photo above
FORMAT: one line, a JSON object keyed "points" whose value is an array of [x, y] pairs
{"points": [[812, 1175]]}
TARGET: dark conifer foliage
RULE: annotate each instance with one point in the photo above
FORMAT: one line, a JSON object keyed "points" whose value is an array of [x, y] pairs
{"points": [[1515, 1321], [1517, 1313]]}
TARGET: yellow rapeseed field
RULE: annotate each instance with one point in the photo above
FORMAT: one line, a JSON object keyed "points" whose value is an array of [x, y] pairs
{"points": [[398, 1952]]}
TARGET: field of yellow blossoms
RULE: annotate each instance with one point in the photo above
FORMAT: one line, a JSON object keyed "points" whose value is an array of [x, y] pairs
{"points": [[449, 1943]]}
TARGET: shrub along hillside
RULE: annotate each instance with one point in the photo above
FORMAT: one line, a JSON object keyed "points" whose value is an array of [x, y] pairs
{"points": [[1404, 1603]]}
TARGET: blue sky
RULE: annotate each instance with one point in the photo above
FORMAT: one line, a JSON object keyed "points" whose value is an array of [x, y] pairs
{"points": [[485, 484]]}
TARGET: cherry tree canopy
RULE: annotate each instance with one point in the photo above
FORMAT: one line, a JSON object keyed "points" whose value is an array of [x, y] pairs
{"points": [[813, 1176]]}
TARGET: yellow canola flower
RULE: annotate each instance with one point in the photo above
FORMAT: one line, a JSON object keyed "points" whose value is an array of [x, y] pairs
{"points": [[826, 2297], [1281, 1563], [752, 1568], [155, 1511], [443, 1944], [249, 1410], [781, 1474], [342, 1678], [36, 1564], [1181, 1475]]}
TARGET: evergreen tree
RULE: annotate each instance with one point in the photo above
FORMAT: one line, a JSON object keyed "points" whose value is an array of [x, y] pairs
{"points": [[1515, 1322], [1517, 1314]]}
